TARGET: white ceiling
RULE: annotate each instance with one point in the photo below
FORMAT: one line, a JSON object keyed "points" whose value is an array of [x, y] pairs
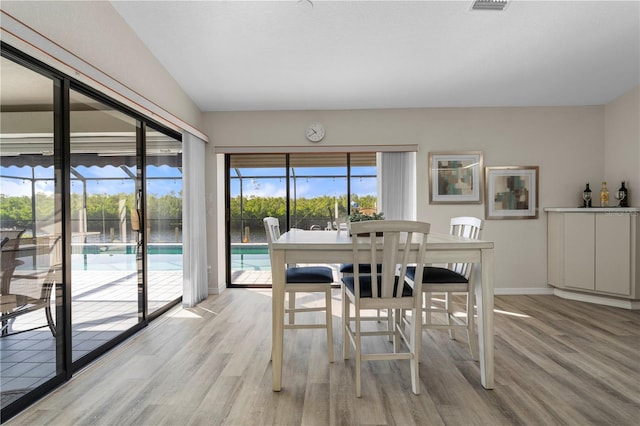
{"points": [[302, 55]]}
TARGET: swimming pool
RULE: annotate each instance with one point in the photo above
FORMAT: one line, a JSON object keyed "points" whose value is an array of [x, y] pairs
{"points": [[250, 257], [161, 256]]}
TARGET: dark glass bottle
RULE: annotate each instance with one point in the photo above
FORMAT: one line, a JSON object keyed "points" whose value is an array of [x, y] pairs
{"points": [[586, 197], [623, 196]]}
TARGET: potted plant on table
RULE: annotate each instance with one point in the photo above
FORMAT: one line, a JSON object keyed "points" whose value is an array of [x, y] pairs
{"points": [[359, 217]]}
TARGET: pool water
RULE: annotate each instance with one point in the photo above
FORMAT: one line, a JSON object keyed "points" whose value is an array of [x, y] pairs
{"points": [[250, 262], [161, 257]]}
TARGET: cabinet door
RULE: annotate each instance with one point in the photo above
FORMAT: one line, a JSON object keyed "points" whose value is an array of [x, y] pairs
{"points": [[613, 254], [554, 249], [578, 251]]}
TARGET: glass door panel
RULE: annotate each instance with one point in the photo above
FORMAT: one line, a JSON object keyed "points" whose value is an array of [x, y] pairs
{"points": [[318, 190], [104, 268], [163, 219], [257, 188], [364, 182], [30, 230]]}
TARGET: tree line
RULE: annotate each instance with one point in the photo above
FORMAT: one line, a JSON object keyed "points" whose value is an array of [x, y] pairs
{"points": [[18, 210], [317, 207]]}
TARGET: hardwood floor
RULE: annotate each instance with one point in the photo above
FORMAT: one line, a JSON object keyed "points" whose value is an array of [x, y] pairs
{"points": [[558, 362]]}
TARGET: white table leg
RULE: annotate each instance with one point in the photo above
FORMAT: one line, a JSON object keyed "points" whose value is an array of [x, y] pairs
{"points": [[485, 318], [277, 317]]}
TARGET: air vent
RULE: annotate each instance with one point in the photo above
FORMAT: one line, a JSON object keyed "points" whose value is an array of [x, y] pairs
{"points": [[489, 5]]}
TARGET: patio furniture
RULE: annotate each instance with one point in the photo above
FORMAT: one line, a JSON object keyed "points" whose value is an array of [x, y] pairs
{"points": [[28, 292]]}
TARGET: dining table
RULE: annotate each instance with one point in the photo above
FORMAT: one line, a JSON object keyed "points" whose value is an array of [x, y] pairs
{"points": [[299, 246]]}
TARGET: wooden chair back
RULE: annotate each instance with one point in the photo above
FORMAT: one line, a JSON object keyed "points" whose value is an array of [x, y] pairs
{"points": [[392, 244], [467, 227], [272, 228]]}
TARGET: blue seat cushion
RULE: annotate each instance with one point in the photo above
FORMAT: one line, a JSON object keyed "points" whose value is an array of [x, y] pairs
{"points": [[364, 268], [436, 275], [309, 275], [365, 286]]}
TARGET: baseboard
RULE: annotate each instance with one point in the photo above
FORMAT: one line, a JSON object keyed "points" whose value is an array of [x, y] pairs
{"points": [[600, 300], [580, 297], [522, 291]]}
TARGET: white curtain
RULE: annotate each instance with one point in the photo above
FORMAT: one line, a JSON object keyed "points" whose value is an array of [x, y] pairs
{"points": [[397, 185], [194, 224]]}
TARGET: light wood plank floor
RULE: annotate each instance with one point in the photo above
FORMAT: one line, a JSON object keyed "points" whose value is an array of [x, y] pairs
{"points": [[558, 362]]}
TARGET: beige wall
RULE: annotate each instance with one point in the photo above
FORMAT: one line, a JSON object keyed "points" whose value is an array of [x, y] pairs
{"points": [[565, 142], [571, 146], [95, 32], [622, 144]]}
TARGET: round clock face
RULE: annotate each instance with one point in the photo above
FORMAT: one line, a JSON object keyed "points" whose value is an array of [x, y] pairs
{"points": [[315, 132]]}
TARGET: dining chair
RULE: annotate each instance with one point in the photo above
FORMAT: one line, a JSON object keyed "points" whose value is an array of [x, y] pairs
{"points": [[346, 270], [307, 279], [454, 278], [389, 290]]}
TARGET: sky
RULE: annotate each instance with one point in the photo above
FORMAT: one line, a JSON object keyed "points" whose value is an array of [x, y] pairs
{"points": [[267, 182], [262, 182], [118, 181]]}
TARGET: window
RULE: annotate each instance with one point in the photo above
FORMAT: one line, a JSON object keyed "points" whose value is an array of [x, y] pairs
{"points": [[301, 190]]}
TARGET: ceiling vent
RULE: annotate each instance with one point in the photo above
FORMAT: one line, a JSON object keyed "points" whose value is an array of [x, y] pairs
{"points": [[489, 5]]}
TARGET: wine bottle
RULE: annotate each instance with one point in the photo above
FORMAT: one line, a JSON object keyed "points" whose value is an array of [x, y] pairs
{"points": [[604, 195], [586, 196], [623, 196]]}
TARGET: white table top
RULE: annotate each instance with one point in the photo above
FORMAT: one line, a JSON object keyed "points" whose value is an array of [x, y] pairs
{"points": [[337, 240]]}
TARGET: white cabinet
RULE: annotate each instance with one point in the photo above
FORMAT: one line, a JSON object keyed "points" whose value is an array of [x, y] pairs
{"points": [[579, 250], [614, 251], [594, 251]]}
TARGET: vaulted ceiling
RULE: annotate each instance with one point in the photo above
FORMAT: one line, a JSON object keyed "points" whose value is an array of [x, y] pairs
{"points": [[286, 55]]}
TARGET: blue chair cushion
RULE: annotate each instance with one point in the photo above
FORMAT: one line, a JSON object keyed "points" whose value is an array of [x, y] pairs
{"points": [[364, 268], [436, 275], [365, 286], [309, 275]]}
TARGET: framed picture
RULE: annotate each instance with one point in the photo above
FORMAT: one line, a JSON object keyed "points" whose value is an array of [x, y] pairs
{"points": [[455, 177], [512, 192]]}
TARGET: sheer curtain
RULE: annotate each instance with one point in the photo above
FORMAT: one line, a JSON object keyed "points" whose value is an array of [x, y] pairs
{"points": [[397, 185], [194, 228]]}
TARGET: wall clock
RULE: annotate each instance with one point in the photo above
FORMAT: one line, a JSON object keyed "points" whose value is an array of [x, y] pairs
{"points": [[315, 132]]}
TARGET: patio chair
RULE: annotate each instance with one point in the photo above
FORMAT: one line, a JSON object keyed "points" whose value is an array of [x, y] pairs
{"points": [[307, 279], [389, 290], [25, 293]]}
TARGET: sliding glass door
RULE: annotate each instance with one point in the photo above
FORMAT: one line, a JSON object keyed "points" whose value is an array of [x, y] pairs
{"points": [[304, 191], [104, 268], [90, 222], [31, 232], [257, 188], [163, 231]]}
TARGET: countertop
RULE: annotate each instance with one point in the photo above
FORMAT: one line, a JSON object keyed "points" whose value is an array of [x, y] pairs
{"points": [[593, 209]]}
